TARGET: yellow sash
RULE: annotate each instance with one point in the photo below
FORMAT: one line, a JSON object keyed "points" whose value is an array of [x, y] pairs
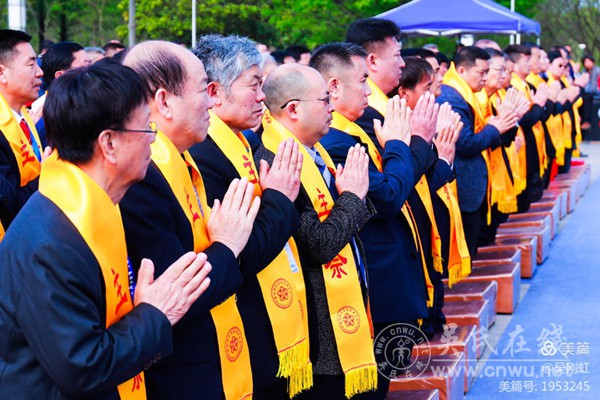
{"points": [[555, 129], [453, 79], [538, 129], [236, 373], [459, 259], [378, 100], [281, 282], [29, 165], [343, 124], [577, 119], [98, 220], [349, 319], [503, 191]]}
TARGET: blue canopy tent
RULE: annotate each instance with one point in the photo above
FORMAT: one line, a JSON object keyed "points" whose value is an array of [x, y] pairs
{"points": [[453, 17]]}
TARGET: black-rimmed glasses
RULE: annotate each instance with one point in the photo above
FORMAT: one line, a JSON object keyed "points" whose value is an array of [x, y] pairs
{"points": [[151, 131], [326, 100]]}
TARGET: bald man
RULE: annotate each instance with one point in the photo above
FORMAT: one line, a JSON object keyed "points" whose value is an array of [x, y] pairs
{"points": [[332, 211], [167, 215]]}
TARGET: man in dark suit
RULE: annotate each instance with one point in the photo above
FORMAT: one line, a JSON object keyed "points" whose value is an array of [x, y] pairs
{"points": [[237, 95], [20, 149], [166, 215], [72, 327], [298, 99], [469, 72], [397, 284]]}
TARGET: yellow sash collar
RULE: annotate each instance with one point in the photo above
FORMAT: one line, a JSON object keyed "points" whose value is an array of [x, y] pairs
{"points": [[349, 319], [236, 373], [503, 192], [281, 282], [29, 165], [477, 102], [98, 220], [459, 259], [378, 100]]}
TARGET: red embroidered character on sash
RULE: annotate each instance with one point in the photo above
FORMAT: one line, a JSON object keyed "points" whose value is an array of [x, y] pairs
{"points": [[324, 209], [195, 215], [249, 165], [336, 266], [137, 382], [27, 156], [122, 294]]}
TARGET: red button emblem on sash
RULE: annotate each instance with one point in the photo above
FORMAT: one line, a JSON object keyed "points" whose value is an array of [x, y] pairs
{"points": [[234, 343], [348, 319], [281, 293]]}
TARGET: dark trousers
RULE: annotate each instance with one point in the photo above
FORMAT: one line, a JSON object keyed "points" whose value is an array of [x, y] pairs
{"points": [[471, 224], [332, 387]]}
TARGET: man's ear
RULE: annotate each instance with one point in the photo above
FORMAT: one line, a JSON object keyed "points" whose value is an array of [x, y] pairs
{"points": [[215, 92], [403, 93], [162, 100], [3, 78], [333, 87], [106, 145], [372, 60], [291, 109]]}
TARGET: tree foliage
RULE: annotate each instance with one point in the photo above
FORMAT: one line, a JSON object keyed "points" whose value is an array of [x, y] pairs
{"points": [[277, 23]]}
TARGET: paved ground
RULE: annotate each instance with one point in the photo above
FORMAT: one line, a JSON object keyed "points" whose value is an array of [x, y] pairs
{"points": [[560, 302]]}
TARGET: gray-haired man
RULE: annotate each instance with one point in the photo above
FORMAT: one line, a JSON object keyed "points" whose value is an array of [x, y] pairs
{"points": [[270, 299]]}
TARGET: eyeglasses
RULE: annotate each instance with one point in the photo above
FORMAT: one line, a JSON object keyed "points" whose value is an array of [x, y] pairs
{"points": [[326, 100], [151, 131]]}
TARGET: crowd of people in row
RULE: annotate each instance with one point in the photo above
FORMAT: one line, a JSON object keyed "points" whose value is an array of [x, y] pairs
{"points": [[194, 224]]}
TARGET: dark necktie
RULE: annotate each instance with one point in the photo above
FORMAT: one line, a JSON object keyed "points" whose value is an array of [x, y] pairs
{"points": [[328, 177]]}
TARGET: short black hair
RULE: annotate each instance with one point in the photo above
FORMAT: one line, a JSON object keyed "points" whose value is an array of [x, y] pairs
{"points": [[58, 57], [418, 52], [493, 52], [334, 55], [468, 56], [415, 70], [296, 51], [531, 45], [370, 32], [280, 55], [441, 58], [45, 44], [516, 51], [86, 101], [553, 55], [9, 38], [587, 57], [113, 46]]}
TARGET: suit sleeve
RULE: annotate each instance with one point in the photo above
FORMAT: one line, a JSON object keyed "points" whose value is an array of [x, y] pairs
{"points": [[12, 195], [69, 339], [439, 175], [532, 117], [469, 143], [277, 218], [149, 210], [402, 168], [322, 241]]}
